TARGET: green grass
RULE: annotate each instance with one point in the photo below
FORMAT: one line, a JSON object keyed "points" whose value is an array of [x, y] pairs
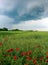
{"points": [[25, 40]]}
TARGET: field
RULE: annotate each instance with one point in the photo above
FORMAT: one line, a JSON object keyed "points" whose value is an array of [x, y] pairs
{"points": [[23, 48]]}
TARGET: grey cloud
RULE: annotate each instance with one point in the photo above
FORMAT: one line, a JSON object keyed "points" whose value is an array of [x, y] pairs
{"points": [[23, 10]]}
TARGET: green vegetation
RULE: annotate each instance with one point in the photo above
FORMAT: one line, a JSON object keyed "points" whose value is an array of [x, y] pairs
{"points": [[6, 29], [25, 41]]}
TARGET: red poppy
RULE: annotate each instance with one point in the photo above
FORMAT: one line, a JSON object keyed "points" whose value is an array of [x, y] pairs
{"points": [[25, 64], [35, 61], [10, 50], [1, 44], [46, 53], [41, 58], [17, 49], [28, 58], [23, 53], [47, 57], [38, 46], [15, 57], [37, 64], [29, 52], [46, 60]]}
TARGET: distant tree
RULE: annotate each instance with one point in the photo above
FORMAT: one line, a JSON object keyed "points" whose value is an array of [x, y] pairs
{"points": [[1, 29], [5, 29], [15, 30]]}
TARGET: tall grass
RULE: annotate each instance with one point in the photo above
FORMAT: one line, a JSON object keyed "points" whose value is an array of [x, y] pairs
{"points": [[25, 41]]}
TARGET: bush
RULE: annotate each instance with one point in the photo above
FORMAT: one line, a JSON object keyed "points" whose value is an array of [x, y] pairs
{"points": [[3, 29], [16, 30]]}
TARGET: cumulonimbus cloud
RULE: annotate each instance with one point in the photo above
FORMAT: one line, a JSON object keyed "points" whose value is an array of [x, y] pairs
{"points": [[41, 24], [5, 21], [25, 7], [21, 11]]}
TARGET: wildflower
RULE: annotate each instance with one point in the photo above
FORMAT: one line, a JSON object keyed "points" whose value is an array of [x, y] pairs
{"points": [[23, 53], [46, 53], [47, 57], [41, 58], [15, 57], [1, 44], [38, 46], [35, 61], [28, 58], [37, 64], [46, 60], [10, 50], [17, 49], [29, 52]]}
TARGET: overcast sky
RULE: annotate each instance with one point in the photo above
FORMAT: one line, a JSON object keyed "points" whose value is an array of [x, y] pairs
{"points": [[24, 14]]}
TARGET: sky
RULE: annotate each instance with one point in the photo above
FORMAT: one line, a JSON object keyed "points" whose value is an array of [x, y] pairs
{"points": [[24, 14]]}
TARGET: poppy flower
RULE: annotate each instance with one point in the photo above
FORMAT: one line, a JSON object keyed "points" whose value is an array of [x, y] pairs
{"points": [[15, 57], [46, 60], [38, 46], [46, 53], [25, 64], [37, 64], [35, 61], [29, 52], [1, 44], [23, 53], [17, 49], [47, 57], [10, 50], [28, 58], [41, 58]]}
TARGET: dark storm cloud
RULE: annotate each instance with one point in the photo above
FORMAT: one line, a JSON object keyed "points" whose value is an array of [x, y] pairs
{"points": [[23, 10]]}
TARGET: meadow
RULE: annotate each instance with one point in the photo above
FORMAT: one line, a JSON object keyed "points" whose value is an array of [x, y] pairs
{"points": [[23, 48]]}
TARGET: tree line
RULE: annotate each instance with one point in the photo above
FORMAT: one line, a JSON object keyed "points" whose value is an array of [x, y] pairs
{"points": [[6, 29]]}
